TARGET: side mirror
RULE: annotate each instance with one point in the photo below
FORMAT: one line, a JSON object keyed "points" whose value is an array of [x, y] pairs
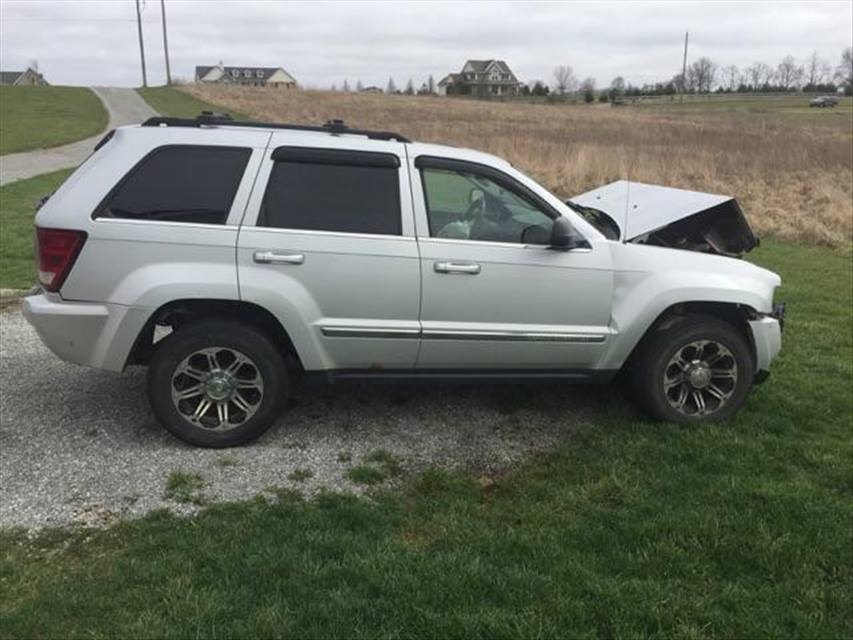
{"points": [[563, 236]]}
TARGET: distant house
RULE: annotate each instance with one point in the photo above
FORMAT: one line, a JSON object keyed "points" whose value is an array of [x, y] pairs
{"points": [[28, 77], [254, 76], [371, 89], [481, 78]]}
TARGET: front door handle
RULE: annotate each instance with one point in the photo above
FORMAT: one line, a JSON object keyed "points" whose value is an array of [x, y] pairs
{"points": [[271, 257], [468, 268]]}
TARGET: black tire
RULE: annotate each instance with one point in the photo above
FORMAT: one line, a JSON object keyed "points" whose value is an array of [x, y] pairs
{"points": [[652, 367], [264, 375]]}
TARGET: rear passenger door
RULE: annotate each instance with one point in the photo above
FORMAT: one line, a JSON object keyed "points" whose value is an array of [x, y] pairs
{"points": [[327, 245]]}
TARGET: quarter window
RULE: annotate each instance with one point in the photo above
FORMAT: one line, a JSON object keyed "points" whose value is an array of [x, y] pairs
{"points": [[466, 205], [333, 190], [180, 184]]}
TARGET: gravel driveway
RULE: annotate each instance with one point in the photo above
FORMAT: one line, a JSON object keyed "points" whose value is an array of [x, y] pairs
{"points": [[81, 446], [124, 106]]}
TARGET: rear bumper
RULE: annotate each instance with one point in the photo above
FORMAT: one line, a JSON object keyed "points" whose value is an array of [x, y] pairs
{"points": [[767, 338], [89, 334]]}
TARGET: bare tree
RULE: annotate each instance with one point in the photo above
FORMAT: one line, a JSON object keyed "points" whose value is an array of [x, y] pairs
{"points": [[334, 87], [617, 86], [410, 88], [346, 85], [431, 84], [844, 72], [359, 86], [701, 74], [564, 80], [391, 88], [789, 74], [815, 70], [731, 77], [758, 75]]}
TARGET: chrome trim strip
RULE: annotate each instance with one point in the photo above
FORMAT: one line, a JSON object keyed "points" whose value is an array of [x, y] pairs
{"points": [[369, 332], [441, 334], [512, 336]]}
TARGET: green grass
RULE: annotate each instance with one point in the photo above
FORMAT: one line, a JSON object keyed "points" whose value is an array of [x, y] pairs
{"points": [[182, 486], [40, 117], [17, 209], [366, 474], [629, 528], [174, 103]]}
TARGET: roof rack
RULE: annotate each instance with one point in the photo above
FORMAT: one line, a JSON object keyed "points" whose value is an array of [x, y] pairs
{"points": [[208, 118]]}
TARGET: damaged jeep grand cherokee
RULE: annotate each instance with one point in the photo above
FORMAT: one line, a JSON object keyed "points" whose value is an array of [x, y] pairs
{"points": [[232, 258]]}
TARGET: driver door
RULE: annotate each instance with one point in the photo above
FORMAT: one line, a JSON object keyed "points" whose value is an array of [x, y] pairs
{"points": [[494, 296]]}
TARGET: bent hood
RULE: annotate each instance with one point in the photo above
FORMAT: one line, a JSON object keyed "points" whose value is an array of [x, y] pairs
{"points": [[676, 218]]}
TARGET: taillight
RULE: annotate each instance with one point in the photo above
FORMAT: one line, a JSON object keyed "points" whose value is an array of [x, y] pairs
{"points": [[56, 251]]}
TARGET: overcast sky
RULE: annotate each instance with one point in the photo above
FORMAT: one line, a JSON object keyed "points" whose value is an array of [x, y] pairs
{"points": [[320, 43]]}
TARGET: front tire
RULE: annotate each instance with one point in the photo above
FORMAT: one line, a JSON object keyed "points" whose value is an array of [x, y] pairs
{"points": [[217, 383], [700, 369]]}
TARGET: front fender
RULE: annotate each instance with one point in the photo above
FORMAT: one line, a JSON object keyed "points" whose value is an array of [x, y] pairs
{"points": [[673, 277]]}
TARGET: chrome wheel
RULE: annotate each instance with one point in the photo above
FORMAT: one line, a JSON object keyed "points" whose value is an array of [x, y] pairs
{"points": [[700, 378], [217, 388]]}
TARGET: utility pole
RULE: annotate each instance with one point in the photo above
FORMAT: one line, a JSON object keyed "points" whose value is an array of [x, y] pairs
{"points": [[684, 68], [141, 45], [165, 42]]}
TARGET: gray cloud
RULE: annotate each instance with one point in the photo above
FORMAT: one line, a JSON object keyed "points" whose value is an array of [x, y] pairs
{"points": [[95, 42]]}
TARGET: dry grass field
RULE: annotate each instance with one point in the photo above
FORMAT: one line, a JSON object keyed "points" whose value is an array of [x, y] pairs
{"points": [[794, 177]]}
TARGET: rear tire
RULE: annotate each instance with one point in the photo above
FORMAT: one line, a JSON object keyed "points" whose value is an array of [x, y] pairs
{"points": [[217, 383], [699, 369]]}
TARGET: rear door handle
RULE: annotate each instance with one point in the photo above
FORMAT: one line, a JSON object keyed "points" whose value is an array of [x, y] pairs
{"points": [[468, 268], [271, 257]]}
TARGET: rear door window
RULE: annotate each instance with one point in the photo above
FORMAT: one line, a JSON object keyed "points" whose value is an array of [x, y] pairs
{"points": [[333, 190], [180, 184]]}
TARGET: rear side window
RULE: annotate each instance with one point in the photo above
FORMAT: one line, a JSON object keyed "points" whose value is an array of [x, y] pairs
{"points": [[333, 190], [180, 184]]}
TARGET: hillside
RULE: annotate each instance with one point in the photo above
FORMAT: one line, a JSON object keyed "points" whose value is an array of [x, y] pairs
{"points": [[41, 117]]}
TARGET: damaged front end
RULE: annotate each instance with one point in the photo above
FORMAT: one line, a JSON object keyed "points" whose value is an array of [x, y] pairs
{"points": [[667, 217]]}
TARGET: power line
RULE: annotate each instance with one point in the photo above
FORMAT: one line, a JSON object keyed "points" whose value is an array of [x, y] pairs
{"points": [[141, 45]]}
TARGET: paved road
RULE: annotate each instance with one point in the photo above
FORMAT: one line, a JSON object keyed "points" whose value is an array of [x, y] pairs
{"points": [[81, 446], [124, 106]]}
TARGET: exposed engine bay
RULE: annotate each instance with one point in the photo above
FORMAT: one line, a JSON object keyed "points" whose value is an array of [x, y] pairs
{"points": [[667, 217]]}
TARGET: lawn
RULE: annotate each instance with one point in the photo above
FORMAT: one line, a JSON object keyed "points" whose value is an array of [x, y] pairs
{"points": [[17, 207], [630, 528], [41, 117], [172, 102]]}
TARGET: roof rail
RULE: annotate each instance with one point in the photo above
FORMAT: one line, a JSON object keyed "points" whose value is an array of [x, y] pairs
{"points": [[210, 119]]}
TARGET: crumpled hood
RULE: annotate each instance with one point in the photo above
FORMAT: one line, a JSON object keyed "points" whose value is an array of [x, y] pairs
{"points": [[671, 217]]}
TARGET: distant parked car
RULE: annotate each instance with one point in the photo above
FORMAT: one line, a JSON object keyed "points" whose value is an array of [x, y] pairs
{"points": [[823, 101]]}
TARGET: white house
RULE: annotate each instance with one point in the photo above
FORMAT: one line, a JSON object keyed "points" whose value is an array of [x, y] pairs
{"points": [[254, 76]]}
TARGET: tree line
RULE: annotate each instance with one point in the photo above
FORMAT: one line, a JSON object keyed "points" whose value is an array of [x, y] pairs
{"points": [[814, 74]]}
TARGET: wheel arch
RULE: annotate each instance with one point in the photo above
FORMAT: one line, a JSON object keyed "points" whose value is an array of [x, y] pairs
{"points": [[735, 314], [177, 313]]}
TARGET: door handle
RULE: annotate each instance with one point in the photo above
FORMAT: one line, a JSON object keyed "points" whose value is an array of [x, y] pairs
{"points": [[271, 257], [468, 268]]}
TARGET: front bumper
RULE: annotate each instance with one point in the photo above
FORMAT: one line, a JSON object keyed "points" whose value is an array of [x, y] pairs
{"points": [[767, 339], [89, 334]]}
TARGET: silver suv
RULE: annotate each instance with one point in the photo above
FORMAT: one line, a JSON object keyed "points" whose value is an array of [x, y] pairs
{"points": [[235, 257]]}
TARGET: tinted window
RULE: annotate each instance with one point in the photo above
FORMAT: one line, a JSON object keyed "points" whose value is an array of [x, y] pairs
{"points": [[465, 205], [323, 194], [180, 184]]}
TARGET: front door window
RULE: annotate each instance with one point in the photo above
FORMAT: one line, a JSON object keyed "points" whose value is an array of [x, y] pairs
{"points": [[464, 205]]}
